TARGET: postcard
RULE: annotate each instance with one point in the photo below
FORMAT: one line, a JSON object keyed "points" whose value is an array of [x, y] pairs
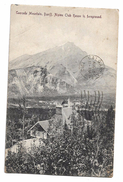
{"points": [[61, 91]]}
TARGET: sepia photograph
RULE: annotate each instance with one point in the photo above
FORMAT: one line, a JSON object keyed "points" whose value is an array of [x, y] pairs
{"points": [[61, 91]]}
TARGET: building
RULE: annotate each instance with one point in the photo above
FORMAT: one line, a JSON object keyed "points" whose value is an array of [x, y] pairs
{"points": [[64, 112], [36, 134], [39, 129]]}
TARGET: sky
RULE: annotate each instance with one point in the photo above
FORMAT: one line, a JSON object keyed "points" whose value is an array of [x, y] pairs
{"points": [[30, 34]]}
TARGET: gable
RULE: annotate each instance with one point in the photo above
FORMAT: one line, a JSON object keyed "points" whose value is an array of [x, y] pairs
{"points": [[37, 127], [44, 124], [40, 126]]}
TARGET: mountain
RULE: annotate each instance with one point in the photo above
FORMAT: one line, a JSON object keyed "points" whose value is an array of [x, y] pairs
{"points": [[68, 54], [105, 82], [61, 72], [55, 72], [32, 81]]}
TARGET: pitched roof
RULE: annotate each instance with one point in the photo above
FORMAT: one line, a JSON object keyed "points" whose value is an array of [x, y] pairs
{"points": [[44, 124]]}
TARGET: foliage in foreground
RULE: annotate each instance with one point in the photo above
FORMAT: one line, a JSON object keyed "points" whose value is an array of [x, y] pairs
{"points": [[80, 152]]}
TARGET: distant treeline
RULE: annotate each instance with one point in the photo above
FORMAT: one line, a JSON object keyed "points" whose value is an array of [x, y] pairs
{"points": [[42, 114]]}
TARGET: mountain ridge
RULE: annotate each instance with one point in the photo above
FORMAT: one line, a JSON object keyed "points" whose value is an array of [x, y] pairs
{"points": [[63, 73], [38, 59]]}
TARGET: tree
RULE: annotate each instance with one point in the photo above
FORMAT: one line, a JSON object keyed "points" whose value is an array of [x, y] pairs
{"points": [[82, 149], [22, 107], [20, 162]]}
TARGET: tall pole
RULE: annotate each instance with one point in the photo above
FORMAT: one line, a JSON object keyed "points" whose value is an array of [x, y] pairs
{"points": [[24, 109]]}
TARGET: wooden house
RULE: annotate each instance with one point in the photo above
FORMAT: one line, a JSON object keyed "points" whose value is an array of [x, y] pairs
{"points": [[39, 129]]}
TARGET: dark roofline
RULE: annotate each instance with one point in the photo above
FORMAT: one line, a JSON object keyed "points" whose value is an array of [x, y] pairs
{"points": [[36, 124]]}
